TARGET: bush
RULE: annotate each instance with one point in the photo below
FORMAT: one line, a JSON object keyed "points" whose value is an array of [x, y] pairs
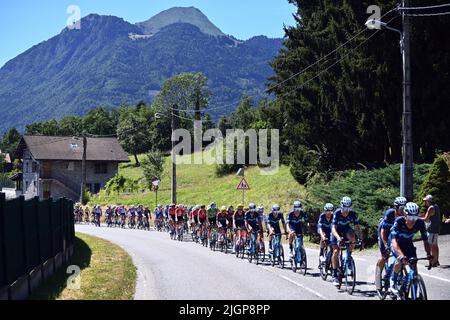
{"points": [[437, 183]]}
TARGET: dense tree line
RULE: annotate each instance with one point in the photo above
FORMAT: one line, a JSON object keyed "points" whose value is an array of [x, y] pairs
{"points": [[351, 113]]}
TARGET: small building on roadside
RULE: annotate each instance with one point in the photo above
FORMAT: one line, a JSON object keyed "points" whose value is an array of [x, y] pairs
{"points": [[51, 165]]}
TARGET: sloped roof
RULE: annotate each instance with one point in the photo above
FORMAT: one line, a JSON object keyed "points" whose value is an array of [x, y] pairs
{"points": [[71, 149]]}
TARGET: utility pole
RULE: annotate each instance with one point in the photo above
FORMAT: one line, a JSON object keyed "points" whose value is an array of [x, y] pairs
{"points": [[83, 170], [407, 167], [174, 160]]}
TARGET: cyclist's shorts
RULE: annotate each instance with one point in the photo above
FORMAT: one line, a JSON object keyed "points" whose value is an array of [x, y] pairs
{"points": [[343, 234], [408, 249], [212, 221], [202, 220], [180, 218]]}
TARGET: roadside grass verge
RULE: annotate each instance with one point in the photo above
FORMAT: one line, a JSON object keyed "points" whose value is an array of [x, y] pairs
{"points": [[107, 273]]}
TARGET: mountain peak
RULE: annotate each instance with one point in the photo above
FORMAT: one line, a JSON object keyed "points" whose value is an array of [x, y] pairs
{"points": [[174, 15]]}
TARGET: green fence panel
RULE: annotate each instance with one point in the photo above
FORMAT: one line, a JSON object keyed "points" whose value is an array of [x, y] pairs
{"points": [[2, 243], [57, 227], [14, 240], [32, 241], [44, 227]]}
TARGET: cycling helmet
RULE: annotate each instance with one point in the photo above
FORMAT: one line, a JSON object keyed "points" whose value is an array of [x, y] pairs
{"points": [[252, 206], [346, 202], [212, 205], [159, 206], [400, 201], [260, 209], [172, 205], [412, 209], [297, 205], [240, 206], [276, 207], [328, 207], [202, 206], [223, 208]]}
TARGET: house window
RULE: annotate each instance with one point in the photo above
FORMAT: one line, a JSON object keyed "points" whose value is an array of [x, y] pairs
{"points": [[101, 168], [70, 166]]}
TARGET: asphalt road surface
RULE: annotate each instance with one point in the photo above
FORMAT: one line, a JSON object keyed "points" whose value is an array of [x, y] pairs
{"points": [[169, 269]]}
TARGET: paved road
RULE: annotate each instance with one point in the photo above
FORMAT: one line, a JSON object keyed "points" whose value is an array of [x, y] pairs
{"points": [[176, 270]]}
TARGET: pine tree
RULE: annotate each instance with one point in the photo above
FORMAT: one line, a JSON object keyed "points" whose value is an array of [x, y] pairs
{"points": [[437, 183]]}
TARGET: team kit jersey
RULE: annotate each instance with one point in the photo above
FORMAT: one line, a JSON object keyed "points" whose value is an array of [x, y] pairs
{"points": [[252, 220], [324, 224], [295, 222], [404, 236], [343, 223], [385, 223], [274, 221], [239, 217]]}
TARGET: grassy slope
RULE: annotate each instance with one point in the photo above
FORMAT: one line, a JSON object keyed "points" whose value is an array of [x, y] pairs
{"points": [[198, 184], [107, 273]]}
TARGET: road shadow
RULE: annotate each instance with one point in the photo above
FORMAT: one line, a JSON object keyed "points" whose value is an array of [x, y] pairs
{"points": [[53, 286]]}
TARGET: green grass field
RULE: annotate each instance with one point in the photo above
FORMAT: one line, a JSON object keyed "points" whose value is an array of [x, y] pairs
{"points": [[107, 273], [197, 184]]}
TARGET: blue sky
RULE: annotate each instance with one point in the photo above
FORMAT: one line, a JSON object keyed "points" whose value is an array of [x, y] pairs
{"points": [[25, 23]]}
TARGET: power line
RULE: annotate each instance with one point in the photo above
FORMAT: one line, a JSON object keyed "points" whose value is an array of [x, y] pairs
{"points": [[426, 14], [424, 8]]}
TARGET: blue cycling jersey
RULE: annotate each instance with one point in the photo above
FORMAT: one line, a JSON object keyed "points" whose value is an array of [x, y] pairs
{"points": [[253, 221], [388, 220], [324, 224], [295, 222], [403, 234], [343, 223], [274, 222]]}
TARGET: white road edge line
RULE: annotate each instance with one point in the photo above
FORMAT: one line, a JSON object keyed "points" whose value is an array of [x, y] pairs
{"points": [[434, 277], [297, 284]]}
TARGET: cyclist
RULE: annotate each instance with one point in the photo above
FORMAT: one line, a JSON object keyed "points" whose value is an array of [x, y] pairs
{"points": [[211, 213], [238, 221], [402, 233], [166, 213], [123, 213], [140, 212], [341, 231], [159, 215], [230, 214], [253, 221], [108, 215], [222, 221], [324, 227], [294, 224], [273, 223], [132, 215], [263, 217], [384, 228], [202, 218], [179, 215], [98, 214], [193, 216]]}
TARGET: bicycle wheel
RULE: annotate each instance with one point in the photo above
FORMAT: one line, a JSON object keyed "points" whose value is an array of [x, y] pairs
{"points": [[417, 289], [381, 282], [323, 270], [304, 263], [350, 276]]}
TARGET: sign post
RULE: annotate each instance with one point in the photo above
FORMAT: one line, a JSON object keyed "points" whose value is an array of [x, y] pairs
{"points": [[155, 187], [243, 185]]}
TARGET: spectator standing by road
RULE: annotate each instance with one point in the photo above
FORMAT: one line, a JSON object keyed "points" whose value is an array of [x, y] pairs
{"points": [[433, 221]]}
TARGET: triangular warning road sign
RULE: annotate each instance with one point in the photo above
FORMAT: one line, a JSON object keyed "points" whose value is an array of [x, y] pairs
{"points": [[243, 185]]}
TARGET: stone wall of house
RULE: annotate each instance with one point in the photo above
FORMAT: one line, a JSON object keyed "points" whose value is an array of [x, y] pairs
{"points": [[69, 173]]}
